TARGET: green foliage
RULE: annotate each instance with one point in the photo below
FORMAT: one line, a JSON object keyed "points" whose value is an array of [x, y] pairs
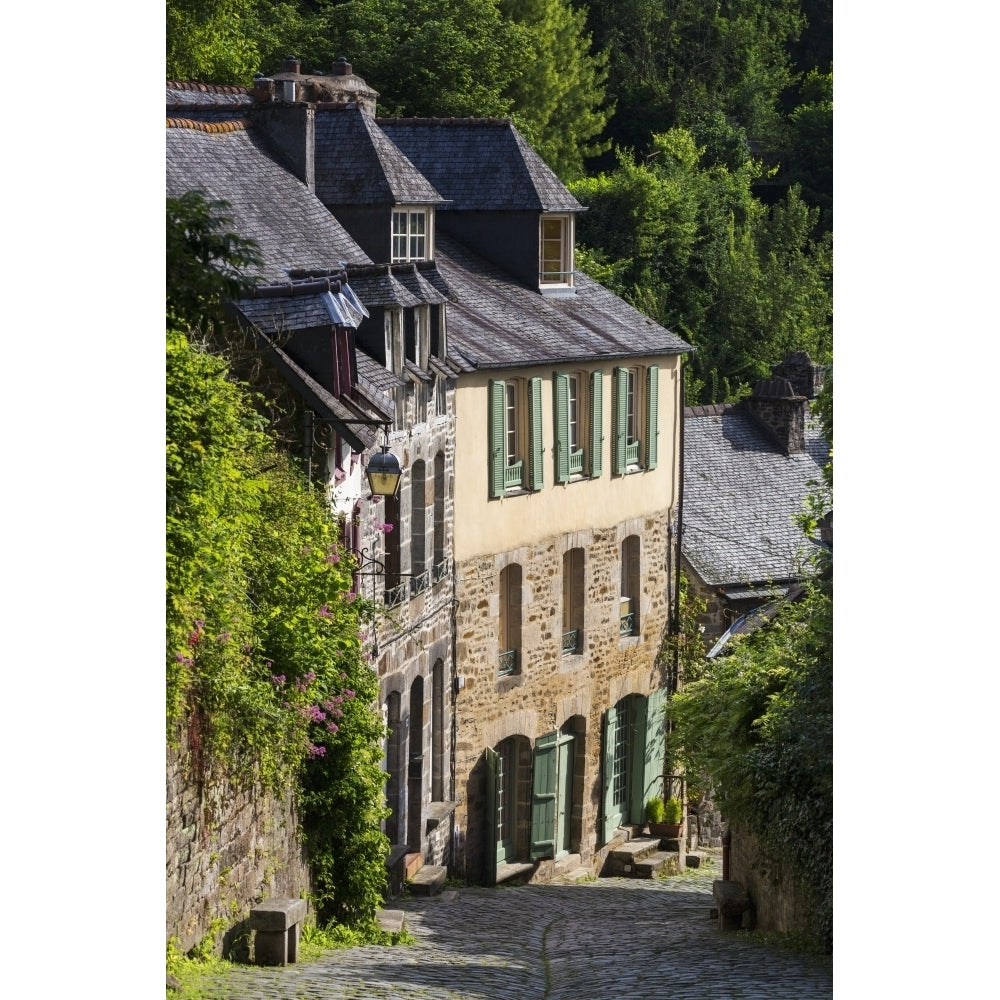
{"points": [[673, 810], [689, 244], [206, 264], [758, 726], [266, 675], [559, 92], [655, 810]]}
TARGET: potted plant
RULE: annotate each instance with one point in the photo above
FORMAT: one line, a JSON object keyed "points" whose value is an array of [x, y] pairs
{"points": [[665, 818]]}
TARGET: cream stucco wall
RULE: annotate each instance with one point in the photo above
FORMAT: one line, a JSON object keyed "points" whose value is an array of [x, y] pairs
{"points": [[484, 526]]}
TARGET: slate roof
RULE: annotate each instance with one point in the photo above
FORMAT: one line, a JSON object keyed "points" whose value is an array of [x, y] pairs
{"points": [[227, 161], [205, 95], [494, 322], [741, 493], [357, 164], [479, 164]]}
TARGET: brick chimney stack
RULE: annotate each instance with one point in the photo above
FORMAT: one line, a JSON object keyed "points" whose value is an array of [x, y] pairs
{"points": [[781, 412]]}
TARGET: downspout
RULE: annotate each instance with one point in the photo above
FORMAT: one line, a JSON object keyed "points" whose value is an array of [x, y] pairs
{"points": [[307, 445]]}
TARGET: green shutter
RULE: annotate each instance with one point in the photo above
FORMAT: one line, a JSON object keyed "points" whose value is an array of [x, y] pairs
{"points": [[560, 396], [596, 422], [611, 817], [656, 730], [637, 775], [537, 451], [492, 759], [652, 414], [621, 419], [497, 457], [543, 797]]}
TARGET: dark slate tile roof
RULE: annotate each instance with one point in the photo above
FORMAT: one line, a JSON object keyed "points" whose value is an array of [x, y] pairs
{"points": [[374, 374], [479, 164], [357, 164], [741, 494], [268, 204], [495, 322]]}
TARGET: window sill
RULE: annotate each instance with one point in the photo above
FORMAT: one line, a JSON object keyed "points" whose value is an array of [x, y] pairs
{"points": [[557, 291]]}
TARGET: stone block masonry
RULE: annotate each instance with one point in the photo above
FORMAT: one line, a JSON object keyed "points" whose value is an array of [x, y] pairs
{"points": [[227, 848], [552, 687]]}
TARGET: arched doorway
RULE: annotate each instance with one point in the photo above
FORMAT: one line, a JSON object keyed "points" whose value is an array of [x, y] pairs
{"points": [[415, 767]]}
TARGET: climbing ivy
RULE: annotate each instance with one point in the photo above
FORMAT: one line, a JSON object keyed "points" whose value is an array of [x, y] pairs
{"points": [[267, 680]]}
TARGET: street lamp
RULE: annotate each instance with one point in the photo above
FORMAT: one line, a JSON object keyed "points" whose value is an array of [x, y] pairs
{"points": [[384, 473]]}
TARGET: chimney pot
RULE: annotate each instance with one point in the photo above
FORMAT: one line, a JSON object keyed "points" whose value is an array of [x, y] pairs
{"points": [[291, 65], [263, 90], [341, 67]]}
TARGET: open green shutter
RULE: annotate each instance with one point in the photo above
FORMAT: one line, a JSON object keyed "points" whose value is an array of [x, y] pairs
{"points": [[497, 457], [492, 766], [560, 396], [621, 419], [637, 771], [543, 797], [652, 414], [656, 730], [596, 422], [537, 451], [611, 819]]}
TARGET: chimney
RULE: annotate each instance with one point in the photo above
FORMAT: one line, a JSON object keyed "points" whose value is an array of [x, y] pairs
{"points": [[291, 65], [341, 67], [263, 89], [781, 412], [798, 368]]}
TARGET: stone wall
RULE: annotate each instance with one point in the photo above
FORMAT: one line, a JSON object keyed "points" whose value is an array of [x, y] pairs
{"points": [[779, 905], [227, 849], [551, 687]]}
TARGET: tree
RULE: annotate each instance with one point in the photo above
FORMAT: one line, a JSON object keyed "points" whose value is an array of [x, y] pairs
{"points": [[688, 243], [559, 93]]}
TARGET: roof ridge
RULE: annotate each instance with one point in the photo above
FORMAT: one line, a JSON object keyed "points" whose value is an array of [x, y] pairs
{"points": [[207, 88], [379, 120], [709, 409], [232, 125]]}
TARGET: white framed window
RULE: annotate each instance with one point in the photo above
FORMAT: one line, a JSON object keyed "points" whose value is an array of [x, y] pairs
{"points": [[636, 421], [556, 250], [578, 416], [515, 435], [411, 238]]}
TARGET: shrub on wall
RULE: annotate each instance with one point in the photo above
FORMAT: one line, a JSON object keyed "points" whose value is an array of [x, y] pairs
{"points": [[265, 669]]}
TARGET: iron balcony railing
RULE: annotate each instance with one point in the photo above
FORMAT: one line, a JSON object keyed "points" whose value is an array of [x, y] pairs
{"points": [[440, 570], [628, 623], [394, 596], [632, 453], [508, 662], [576, 463], [571, 641], [420, 582]]}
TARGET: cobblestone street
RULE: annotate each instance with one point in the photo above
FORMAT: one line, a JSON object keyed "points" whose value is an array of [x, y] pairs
{"points": [[610, 938]]}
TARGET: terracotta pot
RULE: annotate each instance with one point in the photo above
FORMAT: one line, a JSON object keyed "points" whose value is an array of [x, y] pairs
{"points": [[665, 829]]}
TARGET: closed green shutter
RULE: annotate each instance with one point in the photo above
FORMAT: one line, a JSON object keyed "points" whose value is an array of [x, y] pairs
{"points": [[492, 763], [596, 422], [652, 414], [621, 420], [543, 797], [560, 396], [537, 450], [611, 816], [497, 456], [656, 730]]}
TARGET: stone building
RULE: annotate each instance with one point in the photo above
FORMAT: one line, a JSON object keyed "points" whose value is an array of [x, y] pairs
{"points": [[748, 467], [528, 576]]}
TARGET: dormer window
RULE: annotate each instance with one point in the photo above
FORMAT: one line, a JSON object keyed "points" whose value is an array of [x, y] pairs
{"points": [[556, 251], [411, 235]]}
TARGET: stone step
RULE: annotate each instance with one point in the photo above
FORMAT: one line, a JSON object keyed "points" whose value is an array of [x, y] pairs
{"points": [[694, 859], [429, 880], [413, 864], [390, 921], [517, 869], [637, 849]]}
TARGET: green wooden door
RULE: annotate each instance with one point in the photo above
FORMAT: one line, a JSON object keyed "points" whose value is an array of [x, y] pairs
{"points": [[544, 785], [564, 805], [656, 730]]}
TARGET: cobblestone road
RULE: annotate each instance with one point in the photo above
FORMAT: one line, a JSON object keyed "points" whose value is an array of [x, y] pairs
{"points": [[600, 940]]}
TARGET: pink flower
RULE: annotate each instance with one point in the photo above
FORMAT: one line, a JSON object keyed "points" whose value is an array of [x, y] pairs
{"points": [[324, 612], [332, 727], [315, 751], [278, 680]]}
